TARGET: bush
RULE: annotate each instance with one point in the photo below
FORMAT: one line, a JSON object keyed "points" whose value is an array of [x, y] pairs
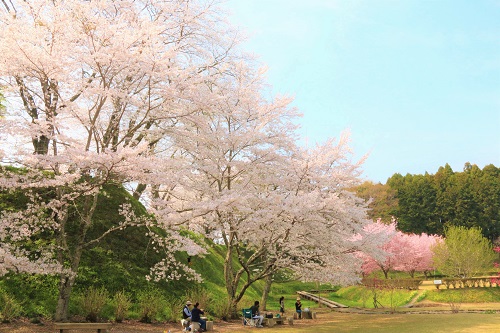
{"points": [[199, 295], [122, 304], [173, 310], [9, 308], [93, 302], [150, 304], [220, 308], [36, 293], [468, 282], [40, 313]]}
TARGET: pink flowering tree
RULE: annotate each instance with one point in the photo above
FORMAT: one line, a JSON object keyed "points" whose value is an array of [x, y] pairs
{"points": [[413, 253], [92, 89], [404, 252], [384, 260]]}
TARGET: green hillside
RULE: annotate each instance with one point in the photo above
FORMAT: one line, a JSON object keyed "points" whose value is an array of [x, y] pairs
{"points": [[121, 262]]}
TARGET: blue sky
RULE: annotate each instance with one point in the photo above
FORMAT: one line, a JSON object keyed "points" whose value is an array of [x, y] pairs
{"points": [[417, 83]]}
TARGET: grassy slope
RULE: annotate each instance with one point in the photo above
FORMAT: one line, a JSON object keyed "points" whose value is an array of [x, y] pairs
{"points": [[122, 260]]}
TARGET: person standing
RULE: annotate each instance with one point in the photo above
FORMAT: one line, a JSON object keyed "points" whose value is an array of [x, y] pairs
{"points": [[282, 305], [256, 314], [298, 308], [196, 316]]}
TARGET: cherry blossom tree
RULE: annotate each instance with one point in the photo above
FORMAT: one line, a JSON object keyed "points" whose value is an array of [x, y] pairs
{"points": [[232, 149], [384, 261], [313, 230], [153, 94], [415, 253], [272, 204], [94, 87], [403, 252]]}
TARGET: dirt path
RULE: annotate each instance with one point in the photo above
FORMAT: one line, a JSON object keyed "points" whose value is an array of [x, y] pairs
{"points": [[137, 327], [414, 299], [323, 316]]}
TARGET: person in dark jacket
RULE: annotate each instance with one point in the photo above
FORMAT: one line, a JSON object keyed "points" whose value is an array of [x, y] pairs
{"points": [[256, 314], [196, 316], [282, 305]]}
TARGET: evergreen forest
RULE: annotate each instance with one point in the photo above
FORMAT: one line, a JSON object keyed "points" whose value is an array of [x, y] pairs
{"points": [[429, 203]]}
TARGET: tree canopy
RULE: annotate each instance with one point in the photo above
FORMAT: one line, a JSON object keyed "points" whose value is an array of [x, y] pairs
{"points": [[156, 96], [464, 252], [429, 203]]}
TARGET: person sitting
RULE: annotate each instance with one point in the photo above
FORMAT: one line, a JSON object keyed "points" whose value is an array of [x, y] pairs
{"points": [[298, 308], [186, 315], [256, 314], [196, 317]]}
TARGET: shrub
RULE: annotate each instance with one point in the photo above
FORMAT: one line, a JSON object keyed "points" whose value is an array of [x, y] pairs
{"points": [[220, 308], [92, 303], [9, 308], [199, 295], [174, 309], [196, 294], [37, 293], [468, 282], [150, 304], [122, 304], [40, 313]]}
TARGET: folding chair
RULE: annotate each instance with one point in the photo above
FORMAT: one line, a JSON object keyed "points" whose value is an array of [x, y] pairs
{"points": [[247, 317]]}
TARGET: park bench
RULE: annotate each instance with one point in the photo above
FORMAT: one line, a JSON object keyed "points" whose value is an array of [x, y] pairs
{"points": [[269, 322], [195, 327], [305, 315], [65, 327], [282, 320]]}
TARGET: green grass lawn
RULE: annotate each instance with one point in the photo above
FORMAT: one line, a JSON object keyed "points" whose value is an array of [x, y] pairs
{"points": [[404, 321], [472, 295], [394, 323], [358, 296]]}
